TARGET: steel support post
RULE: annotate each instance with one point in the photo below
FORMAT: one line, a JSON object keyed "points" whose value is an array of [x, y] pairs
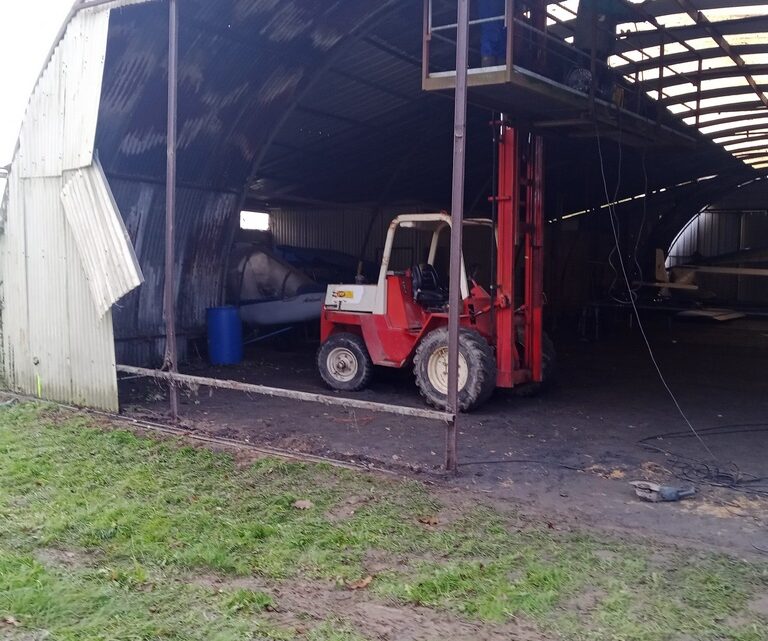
{"points": [[457, 221], [660, 86], [171, 352], [509, 23], [698, 91]]}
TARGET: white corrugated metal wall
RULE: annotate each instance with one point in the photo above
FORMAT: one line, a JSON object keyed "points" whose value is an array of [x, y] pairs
{"points": [[56, 342]]}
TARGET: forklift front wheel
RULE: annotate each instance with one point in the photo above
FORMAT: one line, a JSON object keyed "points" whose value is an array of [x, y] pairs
{"points": [[344, 363], [477, 369]]}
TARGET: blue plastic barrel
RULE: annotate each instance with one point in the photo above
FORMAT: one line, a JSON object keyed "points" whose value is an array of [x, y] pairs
{"points": [[225, 336]]}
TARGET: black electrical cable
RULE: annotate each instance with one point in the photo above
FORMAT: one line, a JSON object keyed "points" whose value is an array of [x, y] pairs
{"points": [[694, 470], [525, 461], [736, 477], [715, 430], [612, 216]]}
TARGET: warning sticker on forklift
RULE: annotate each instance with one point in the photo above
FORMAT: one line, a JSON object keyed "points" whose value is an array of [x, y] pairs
{"points": [[348, 294]]}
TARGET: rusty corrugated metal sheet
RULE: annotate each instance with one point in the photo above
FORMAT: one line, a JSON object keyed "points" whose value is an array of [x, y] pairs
{"points": [[244, 64], [204, 226]]}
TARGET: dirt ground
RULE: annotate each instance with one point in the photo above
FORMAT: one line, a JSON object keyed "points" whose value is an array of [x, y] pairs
{"points": [[567, 454], [383, 621]]}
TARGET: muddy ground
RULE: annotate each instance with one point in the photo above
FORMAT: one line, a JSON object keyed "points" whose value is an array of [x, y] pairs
{"points": [[567, 454]]}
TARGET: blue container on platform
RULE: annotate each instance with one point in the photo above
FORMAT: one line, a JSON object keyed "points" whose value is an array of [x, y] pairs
{"points": [[225, 336]]}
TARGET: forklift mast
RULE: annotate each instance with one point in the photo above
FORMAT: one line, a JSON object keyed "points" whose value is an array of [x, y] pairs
{"points": [[520, 212]]}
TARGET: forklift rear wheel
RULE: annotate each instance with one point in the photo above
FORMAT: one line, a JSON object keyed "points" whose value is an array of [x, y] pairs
{"points": [[477, 369], [344, 363]]}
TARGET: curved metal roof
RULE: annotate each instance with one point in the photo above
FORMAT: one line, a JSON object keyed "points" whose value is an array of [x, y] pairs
{"points": [[707, 60], [305, 99]]}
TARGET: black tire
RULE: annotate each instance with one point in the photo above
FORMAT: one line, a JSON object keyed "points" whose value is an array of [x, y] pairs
{"points": [[478, 358], [548, 365], [344, 363]]}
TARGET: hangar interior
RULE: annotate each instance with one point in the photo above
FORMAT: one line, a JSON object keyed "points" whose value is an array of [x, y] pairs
{"points": [[329, 119]]}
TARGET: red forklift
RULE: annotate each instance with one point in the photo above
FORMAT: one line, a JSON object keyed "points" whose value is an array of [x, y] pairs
{"points": [[402, 320]]}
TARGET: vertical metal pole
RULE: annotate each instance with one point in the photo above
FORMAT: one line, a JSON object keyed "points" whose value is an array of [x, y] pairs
{"points": [[426, 49], [457, 221], [539, 23], [592, 57], [171, 353], [698, 91], [660, 89], [511, 25]]}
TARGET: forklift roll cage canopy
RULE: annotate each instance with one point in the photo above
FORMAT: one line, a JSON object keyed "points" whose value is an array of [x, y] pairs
{"points": [[436, 223]]}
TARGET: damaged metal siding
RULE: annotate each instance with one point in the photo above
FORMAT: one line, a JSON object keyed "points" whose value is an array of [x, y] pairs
{"points": [[106, 251]]}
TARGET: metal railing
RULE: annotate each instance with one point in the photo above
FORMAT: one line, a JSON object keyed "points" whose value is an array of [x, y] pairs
{"points": [[530, 46]]}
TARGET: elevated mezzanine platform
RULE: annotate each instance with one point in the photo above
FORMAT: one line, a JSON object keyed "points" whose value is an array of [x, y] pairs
{"points": [[541, 81]]}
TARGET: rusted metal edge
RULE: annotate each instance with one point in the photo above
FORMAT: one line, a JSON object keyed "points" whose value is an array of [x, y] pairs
{"points": [[295, 395]]}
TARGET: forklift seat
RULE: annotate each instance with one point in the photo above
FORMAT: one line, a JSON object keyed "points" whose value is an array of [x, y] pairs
{"points": [[427, 289]]}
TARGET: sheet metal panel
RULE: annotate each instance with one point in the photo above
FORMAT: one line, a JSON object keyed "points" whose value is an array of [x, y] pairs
{"points": [[14, 303], [93, 374], [55, 342], [60, 124], [343, 229], [106, 252], [204, 224]]}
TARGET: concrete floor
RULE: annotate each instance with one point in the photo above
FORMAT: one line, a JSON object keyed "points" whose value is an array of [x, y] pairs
{"points": [[607, 398]]}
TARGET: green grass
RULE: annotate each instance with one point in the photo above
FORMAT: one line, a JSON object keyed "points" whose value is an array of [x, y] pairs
{"points": [[142, 519]]}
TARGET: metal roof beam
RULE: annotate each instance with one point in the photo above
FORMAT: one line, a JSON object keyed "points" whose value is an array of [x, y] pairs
{"points": [[671, 59], [739, 125], [570, 27], [719, 92], [686, 33], [716, 109], [670, 7], [750, 153], [643, 15], [707, 74], [759, 113], [756, 144], [715, 32]]}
